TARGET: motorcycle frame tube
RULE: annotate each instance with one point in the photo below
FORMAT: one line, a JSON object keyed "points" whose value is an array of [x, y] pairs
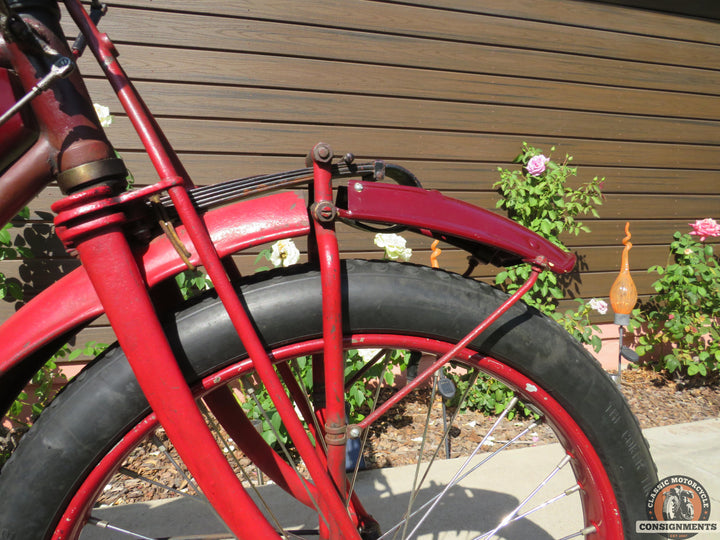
{"points": [[601, 508], [163, 157], [65, 139]]}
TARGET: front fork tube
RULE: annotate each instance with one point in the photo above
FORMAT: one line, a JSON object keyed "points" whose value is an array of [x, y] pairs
{"points": [[110, 264], [111, 267]]}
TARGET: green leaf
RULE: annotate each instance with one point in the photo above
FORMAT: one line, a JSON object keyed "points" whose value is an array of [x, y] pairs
{"points": [[15, 289], [15, 409], [671, 363]]}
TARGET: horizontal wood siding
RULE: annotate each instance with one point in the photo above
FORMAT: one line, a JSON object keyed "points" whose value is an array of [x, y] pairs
{"points": [[447, 88]]}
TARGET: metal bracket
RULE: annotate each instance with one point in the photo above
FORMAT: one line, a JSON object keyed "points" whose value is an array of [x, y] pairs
{"points": [[169, 230], [320, 153]]}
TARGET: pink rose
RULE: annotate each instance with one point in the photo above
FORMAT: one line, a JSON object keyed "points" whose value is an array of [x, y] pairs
{"points": [[704, 228], [536, 165]]}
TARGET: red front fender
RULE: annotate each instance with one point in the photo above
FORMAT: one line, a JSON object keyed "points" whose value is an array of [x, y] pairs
{"points": [[70, 304], [501, 240]]}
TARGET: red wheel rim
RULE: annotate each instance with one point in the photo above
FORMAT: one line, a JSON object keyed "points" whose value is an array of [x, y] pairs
{"points": [[598, 499]]}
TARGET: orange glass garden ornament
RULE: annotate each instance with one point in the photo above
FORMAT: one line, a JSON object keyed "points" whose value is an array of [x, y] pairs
{"points": [[623, 293], [436, 251]]}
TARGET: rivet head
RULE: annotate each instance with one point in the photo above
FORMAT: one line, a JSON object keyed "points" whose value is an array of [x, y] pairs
{"points": [[354, 432], [358, 187]]}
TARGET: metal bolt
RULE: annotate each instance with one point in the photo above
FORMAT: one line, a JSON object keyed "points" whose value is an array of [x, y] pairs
{"points": [[324, 211], [358, 187], [217, 380], [354, 432], [322, 153]]}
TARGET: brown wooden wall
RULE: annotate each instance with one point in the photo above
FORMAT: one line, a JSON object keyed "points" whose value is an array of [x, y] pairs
{"points": [[447, 88]]}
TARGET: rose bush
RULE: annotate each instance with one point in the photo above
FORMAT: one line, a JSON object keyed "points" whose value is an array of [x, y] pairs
{"points": [[538, 196], [598, 305], [680, 332]]}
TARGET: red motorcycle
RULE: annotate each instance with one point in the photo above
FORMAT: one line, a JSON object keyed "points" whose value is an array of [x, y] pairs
{"points": [[179, 384]]}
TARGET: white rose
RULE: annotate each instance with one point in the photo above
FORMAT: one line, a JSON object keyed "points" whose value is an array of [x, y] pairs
{"points": [[368, 354], [284, 253], [598, 305], [394, 246], [103, 114]]}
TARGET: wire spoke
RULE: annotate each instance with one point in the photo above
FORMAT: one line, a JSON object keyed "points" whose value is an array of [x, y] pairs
{"points": [[376, 398], [316, 425], [548, 502], [459, 475], [251, 391], [132, 474], [582, 532], [229, 451], [447, 429], [416, 485], [469, 472], [564, 461], [102, 524], [161, 446]]}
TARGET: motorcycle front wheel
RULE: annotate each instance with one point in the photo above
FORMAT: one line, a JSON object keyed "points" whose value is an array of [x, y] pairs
{"points": [[97, 464]]}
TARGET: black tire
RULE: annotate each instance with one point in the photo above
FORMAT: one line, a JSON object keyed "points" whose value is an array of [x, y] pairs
{"points": [[104, 402]]}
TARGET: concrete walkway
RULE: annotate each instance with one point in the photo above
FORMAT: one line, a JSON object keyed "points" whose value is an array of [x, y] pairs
{"points": [[691, 450]]}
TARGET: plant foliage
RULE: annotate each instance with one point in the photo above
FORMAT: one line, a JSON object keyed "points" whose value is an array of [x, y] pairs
{"points": [[539, 196], [680, 322]]}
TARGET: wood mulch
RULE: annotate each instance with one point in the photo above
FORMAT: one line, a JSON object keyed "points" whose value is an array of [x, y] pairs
{"points": [[656, 401]]}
